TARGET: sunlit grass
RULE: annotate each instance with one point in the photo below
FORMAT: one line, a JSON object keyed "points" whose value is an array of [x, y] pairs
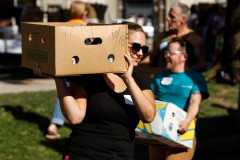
{"points": [[24, 118]]}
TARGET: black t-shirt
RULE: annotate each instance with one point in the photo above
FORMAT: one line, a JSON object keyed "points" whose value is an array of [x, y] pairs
{"points": [[108, 129]]}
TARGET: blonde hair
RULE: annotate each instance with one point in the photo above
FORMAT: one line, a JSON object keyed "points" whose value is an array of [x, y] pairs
{"points": [[78, 10]]}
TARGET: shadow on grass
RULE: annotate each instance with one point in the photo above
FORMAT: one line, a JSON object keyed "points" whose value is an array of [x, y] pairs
{"points": [[9, 72], [10, 68], [41, 121], [216, 127], [218, 137], [57, 144], [19, 114], [224, 148], [211, 128], [231, 111]]}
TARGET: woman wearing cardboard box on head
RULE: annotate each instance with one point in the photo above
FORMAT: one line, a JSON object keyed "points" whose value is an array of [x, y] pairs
{"points": [[106, 108]]}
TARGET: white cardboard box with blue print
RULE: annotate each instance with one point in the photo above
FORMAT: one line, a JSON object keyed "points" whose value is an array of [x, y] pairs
{"points": [[63, 48], [163, 129]]}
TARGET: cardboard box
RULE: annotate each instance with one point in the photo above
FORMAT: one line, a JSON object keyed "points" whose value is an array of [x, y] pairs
{"points": [[163, 129], [61, 48]]}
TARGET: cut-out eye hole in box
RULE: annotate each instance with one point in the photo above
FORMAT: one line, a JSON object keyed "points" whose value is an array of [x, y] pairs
{"points": [[30, 38], [63, 48], [43, 39], [93, 41]]}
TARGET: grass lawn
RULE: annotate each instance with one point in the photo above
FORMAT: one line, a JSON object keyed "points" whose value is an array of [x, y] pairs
{"points": [[218, 114], [10, 68], [25, 116], [24, 119]]}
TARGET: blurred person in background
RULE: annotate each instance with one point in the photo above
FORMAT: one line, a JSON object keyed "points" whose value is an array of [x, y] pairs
{"points": [[214, 36], [177, 24], [193, 18]]}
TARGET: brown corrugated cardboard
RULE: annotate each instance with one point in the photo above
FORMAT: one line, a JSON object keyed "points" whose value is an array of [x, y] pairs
{"points": [[55, 45]]}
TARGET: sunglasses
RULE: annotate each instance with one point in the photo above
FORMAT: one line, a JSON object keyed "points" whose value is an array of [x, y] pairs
{"points": [[170, 53], [136, 47]]}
